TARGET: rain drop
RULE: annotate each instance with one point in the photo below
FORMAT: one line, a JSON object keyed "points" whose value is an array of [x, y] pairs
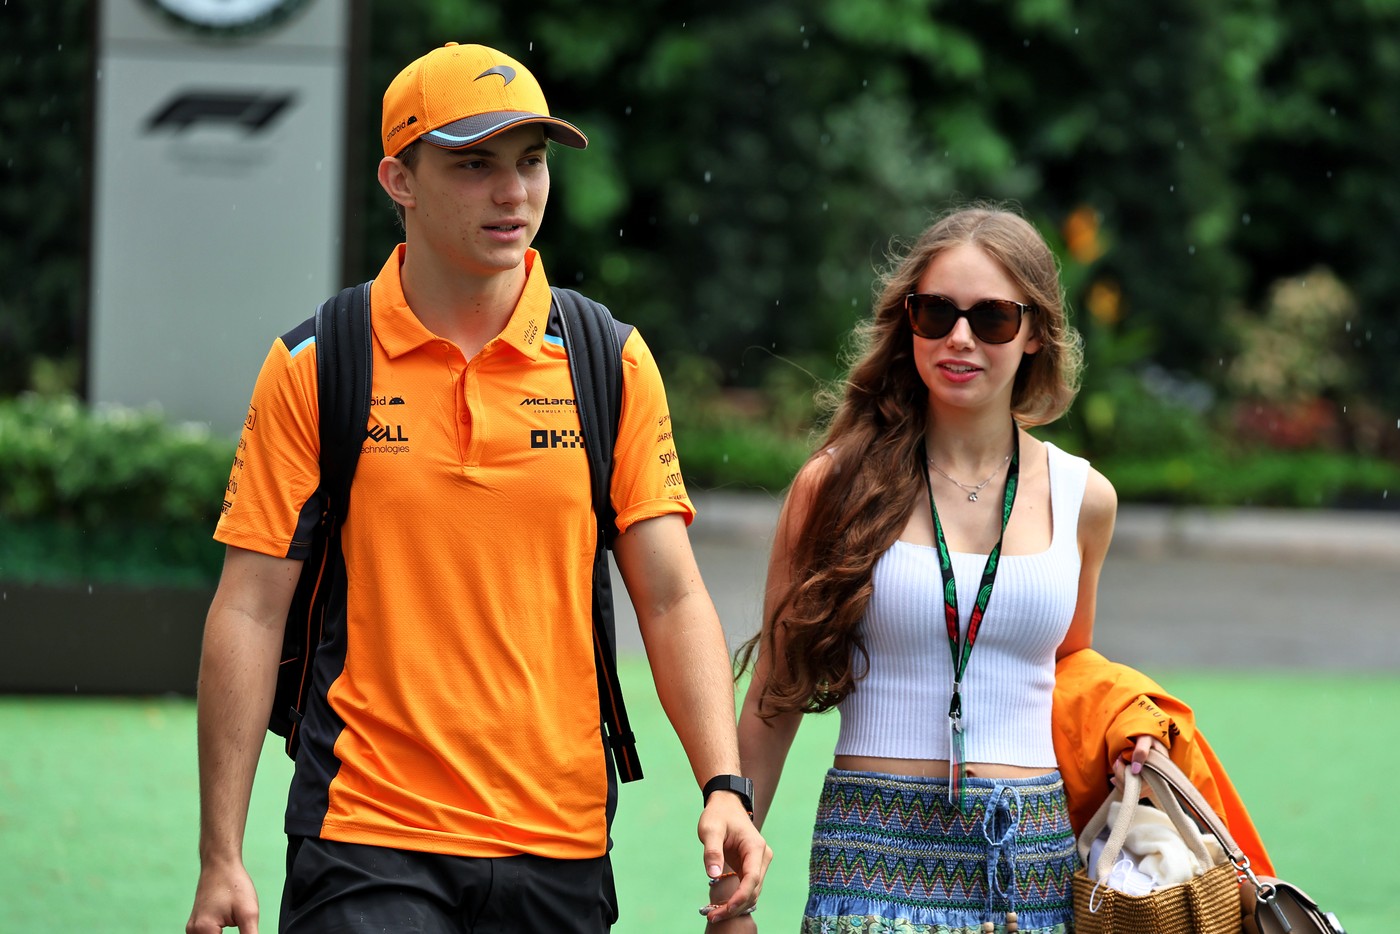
{"points": [[1180, 144], [1025, 43], [532, 45], [1332, 111], [707, 178], [1191, 250], [628, 111], [1171, 188], [1244, 219], [694, 219], [619, 231], [1348, 327]]}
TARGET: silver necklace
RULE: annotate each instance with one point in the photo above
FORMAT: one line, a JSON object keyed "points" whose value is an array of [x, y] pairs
{"points": [[972, 491]]}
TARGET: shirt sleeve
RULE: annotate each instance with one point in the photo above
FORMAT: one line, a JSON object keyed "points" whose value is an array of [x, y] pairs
{"points": [[647, 480], [270, 503]]}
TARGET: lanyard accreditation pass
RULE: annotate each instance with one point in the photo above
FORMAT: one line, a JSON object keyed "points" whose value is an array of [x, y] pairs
{"points": [[960, 647]]}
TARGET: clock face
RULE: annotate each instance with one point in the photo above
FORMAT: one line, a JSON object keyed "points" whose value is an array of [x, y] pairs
{"points": [[237, 17]]}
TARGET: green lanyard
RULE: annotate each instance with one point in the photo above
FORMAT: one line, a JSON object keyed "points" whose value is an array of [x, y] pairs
{"points": [[962, 649]]}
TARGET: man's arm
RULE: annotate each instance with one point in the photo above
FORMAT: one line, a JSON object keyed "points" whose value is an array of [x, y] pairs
{"points": [[237, 675], [694, 682]]}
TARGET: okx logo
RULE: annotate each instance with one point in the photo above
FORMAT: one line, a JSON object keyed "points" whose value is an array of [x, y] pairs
{"points": [[549, 438]]}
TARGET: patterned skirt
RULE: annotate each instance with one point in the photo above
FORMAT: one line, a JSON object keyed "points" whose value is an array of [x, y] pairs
{"points": [[891, 855]]}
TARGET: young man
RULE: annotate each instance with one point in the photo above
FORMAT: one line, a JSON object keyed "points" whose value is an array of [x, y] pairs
{"points": [[451, 775]]}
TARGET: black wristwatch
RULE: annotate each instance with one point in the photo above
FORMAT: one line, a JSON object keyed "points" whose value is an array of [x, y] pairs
{"points": [[741, 786]]}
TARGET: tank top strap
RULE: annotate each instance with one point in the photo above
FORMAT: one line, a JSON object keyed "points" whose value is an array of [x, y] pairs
{"points": [[1068, 476]]}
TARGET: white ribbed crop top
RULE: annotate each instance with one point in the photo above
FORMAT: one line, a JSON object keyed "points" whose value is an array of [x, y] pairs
{"points": [[900, 708]]}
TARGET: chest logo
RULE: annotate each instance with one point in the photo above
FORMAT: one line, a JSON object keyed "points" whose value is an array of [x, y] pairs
{"points": [[549, 438]]}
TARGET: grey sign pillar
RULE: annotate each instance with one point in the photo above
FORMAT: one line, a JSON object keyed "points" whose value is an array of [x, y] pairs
{"points": [[219, 167]]}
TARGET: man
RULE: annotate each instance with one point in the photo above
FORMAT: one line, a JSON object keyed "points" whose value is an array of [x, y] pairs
{"points": [[452, 776]]}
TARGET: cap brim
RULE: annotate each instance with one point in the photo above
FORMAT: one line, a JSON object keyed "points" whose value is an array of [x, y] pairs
{"points": [[469, 131]]}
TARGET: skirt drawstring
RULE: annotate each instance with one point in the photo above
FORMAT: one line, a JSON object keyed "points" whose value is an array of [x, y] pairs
{"points": [[1000, 821]]}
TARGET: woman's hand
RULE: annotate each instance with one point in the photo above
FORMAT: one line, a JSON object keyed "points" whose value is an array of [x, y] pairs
{"points": [[720, 892], [1133, 761]]}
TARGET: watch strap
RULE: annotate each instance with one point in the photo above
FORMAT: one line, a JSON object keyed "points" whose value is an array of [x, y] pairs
{"points": [[737, 784]]}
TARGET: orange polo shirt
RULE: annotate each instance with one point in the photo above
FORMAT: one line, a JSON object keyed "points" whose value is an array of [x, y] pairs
{"points": [[456, 708]]}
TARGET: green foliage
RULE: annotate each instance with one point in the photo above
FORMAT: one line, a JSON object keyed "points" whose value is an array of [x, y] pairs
{"points": [[45, 75], [1298, 349], [107, 494], [750, 165], [728, 439], [1214, 477]]}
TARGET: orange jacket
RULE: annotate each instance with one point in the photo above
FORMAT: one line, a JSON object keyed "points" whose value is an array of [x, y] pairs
{"points": [[1099, 706]]}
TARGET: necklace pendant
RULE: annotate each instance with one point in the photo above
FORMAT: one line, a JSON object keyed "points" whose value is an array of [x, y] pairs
{"points": [[972, 497]]}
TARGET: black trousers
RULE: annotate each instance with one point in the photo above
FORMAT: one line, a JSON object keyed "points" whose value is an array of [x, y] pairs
{"points": [[338, 888]]}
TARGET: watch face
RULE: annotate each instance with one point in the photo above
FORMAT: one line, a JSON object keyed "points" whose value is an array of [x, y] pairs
{"points": [[228, 17]]}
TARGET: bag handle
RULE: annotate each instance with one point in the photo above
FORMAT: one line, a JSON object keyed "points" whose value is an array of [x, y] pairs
{"points": [[1168, 772], [1128, 794]]}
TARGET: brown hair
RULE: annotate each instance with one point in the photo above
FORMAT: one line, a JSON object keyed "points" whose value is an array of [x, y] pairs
{"points": [[867, 491]]}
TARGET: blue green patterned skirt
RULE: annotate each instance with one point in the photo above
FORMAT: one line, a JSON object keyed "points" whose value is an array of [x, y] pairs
{"points": [[891, 855]]}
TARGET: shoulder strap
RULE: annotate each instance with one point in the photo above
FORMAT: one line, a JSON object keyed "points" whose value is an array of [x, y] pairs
{"points": [[343, 382], [343, 376], [593, 340]]}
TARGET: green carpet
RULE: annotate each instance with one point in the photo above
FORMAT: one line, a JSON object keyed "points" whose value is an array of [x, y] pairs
{"points": [[99, 809]]}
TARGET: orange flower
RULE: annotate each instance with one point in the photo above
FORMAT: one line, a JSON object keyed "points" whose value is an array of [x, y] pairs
{"points": [[1105, 302], [1082, 235]]}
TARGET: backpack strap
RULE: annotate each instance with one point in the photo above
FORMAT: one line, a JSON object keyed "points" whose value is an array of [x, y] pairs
{"points": [[593, 340], [344, 362], [343, 383]]}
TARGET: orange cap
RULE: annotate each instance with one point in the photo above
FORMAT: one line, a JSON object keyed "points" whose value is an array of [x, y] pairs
{"points": [[459, 95]]}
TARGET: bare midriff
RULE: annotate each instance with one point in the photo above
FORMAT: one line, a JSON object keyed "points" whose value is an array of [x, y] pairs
{"points": [[935, 768]]}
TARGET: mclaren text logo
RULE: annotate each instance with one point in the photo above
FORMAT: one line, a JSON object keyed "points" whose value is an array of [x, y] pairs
{"points": [[252, 111], [546, 438], [542, 400]]}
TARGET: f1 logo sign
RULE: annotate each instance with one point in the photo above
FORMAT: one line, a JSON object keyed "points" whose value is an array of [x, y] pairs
{"points": [[252, 111]]}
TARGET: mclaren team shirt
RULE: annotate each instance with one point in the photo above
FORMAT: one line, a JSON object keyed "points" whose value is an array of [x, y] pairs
{"points": [[457, 707]]}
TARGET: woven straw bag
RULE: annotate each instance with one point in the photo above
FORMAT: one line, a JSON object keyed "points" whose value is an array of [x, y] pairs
{"points": [[1206, 904]]}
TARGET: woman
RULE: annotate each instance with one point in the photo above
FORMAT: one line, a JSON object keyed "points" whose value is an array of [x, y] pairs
{"points": [[932, 561]]}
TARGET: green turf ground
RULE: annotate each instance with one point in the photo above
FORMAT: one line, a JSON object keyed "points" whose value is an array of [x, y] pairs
{"points": [[98, 805]]}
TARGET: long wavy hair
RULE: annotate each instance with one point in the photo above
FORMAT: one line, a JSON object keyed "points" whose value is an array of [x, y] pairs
{"points": [[874, 478]]}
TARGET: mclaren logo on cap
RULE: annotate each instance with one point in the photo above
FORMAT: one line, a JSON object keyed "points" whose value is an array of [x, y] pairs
{"points": [[505, 71]]}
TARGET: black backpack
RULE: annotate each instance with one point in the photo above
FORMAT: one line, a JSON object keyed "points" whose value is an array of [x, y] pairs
{"points": [[593, 339]]}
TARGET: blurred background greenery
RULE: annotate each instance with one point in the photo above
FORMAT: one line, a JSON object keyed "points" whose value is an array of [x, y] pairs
{"points": [[1219, 180]]}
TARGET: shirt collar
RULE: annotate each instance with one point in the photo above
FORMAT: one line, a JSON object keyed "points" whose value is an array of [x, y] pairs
{"points": [[399, 331]]}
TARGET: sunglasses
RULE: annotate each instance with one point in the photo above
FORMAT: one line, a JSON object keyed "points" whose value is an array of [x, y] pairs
{"points": [[993, 321]]}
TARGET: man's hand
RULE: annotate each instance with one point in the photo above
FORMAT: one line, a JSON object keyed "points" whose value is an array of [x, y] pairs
{"points": [[225, 898], [728, 836]]}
